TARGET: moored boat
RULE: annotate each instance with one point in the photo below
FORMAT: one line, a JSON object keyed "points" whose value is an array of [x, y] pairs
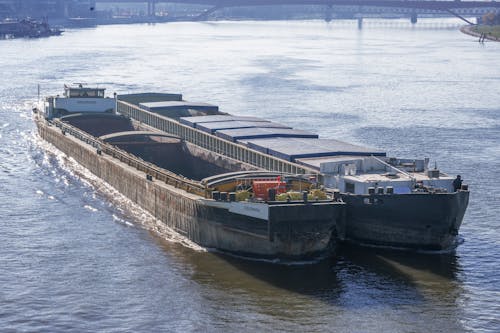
{"points": [[214, 201], [27, 28]]}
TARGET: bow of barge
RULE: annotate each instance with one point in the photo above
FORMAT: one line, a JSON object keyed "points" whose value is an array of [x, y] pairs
{"points": [[215, 201]]}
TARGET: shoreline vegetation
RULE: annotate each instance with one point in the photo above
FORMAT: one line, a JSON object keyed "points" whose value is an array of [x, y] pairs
{"points": [[490, 32], [488, 27]]}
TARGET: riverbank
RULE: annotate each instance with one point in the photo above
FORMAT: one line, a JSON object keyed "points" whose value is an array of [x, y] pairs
{"points": [[486, 31]]}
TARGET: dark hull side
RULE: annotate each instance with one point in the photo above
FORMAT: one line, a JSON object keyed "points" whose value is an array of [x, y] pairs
{"points": [[291, 231], [427, 221]]}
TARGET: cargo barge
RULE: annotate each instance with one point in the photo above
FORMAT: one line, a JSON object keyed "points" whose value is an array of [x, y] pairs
{"points": [[393, 202], [215, 201]]}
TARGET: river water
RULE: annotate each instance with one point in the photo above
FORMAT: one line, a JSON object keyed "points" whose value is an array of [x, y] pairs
{"points": [[76, 256]]}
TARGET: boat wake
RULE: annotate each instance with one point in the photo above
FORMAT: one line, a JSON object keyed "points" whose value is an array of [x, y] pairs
{"points": [[125, 211]]}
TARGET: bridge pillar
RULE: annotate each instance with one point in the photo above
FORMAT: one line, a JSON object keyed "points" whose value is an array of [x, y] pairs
{"points": [[151, 8], [328, 12], [413, 18], [360, 23], [62, 8]]}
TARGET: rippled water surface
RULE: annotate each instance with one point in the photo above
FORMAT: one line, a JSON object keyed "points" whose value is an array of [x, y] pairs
{"points": [[76, 256]]}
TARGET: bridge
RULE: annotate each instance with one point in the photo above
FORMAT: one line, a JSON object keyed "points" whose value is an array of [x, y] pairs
{"points": [[354, 8]]}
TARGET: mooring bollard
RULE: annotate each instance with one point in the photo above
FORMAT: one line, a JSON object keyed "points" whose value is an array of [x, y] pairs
{"points": [[216, 195], [336, 195], [271, 194]]}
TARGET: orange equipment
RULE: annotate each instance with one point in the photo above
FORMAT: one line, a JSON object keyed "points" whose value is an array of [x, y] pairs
{"points": [[261, 188]]}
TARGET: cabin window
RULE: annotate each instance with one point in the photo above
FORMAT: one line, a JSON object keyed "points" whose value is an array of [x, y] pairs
{"points": [[349, 187], [86, 93]]}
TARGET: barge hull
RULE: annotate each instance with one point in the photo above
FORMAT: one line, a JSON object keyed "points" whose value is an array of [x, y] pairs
{"points": [[290, 232], [427, 221], [411, 221]]}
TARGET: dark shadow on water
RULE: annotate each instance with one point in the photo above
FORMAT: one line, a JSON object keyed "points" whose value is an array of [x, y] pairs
{"points": [[226, 271], [401, 264], [356, 277], [307, 277], [357, 285]]}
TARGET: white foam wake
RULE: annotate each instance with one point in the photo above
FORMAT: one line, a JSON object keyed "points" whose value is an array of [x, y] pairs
{"points": [[128, 212]]}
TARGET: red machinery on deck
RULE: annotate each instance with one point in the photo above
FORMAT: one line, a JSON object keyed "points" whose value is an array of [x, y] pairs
{"points": [[261, 188]]}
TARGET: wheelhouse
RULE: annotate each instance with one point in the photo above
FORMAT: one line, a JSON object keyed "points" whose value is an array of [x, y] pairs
{"points": [[79, 91]]}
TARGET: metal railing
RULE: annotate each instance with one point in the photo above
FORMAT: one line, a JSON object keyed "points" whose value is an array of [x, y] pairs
{"points": [[211, 142], [150, 169]]}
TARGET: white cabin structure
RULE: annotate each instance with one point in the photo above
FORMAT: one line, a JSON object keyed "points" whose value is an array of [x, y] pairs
{"points": [[79, 99]]}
